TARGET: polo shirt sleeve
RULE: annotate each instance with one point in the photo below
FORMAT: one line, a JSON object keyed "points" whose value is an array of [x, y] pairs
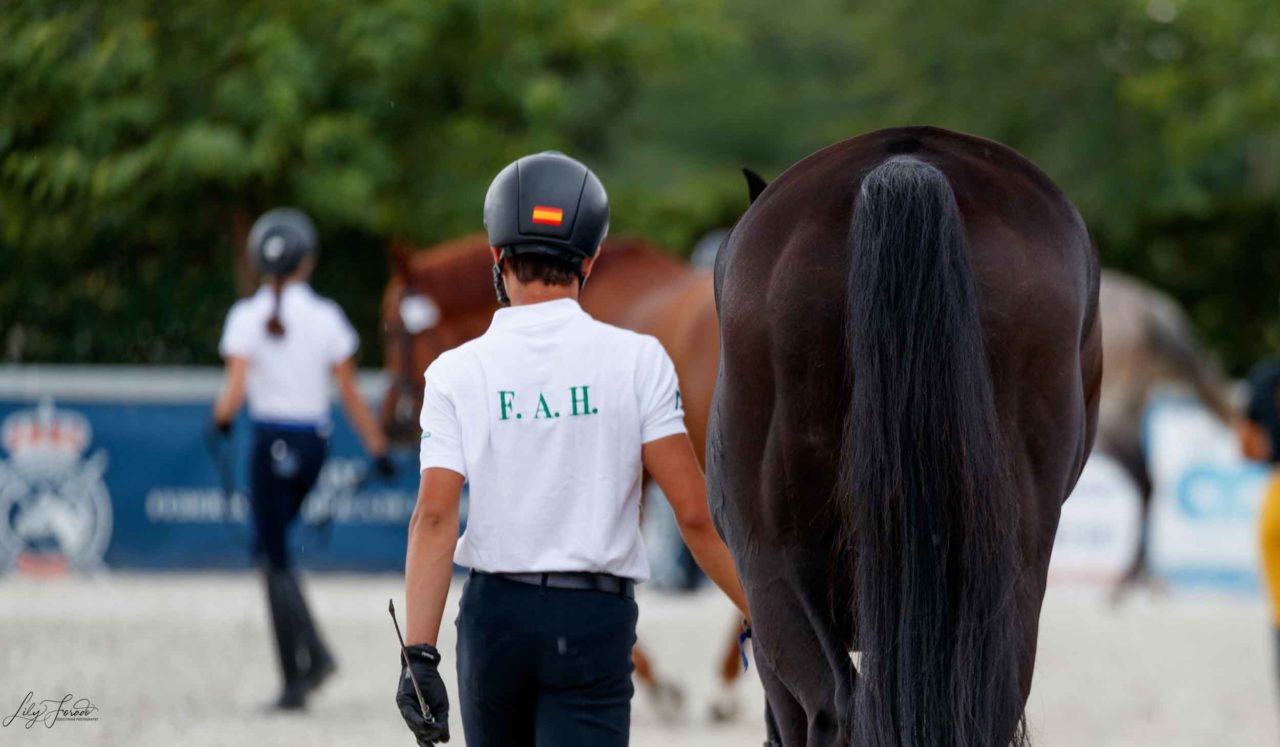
{"points": [[441, 431], [343, 340], [238, 335], [661, 408]]}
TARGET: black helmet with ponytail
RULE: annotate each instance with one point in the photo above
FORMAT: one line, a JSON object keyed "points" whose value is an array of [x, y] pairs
{"points": [[278, 242]]}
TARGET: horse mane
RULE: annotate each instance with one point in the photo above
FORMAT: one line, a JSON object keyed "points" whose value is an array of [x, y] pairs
{"points": [[454, 273]]}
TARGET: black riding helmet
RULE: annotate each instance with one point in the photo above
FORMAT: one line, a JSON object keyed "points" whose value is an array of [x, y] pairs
{"points": [[547, 204], [280, 239]]}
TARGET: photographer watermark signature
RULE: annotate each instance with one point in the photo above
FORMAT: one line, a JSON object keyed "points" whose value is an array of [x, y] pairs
{"points": [[51, 711]]}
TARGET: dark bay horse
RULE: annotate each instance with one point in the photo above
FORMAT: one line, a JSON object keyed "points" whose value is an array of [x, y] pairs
{"points": [[910, 367]]}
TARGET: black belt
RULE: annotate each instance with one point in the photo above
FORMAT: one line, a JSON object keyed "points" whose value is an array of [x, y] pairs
{"points": [[581, 581]]}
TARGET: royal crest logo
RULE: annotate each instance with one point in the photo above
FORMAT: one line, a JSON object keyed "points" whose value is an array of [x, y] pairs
{"points": [[55, 512]]}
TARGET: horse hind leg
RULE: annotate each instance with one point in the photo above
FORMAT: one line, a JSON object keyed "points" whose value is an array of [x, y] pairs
{"points": [[785, 719], [806, 671], [1131, 459]]}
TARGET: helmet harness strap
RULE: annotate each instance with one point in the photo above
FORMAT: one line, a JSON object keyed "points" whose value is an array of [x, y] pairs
{"points": [[500, 287]]}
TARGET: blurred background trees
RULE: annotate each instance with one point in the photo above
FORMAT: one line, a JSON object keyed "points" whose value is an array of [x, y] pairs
{"points": [[139, 139]]}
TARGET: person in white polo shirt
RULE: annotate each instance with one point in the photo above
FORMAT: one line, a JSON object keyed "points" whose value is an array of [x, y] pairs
{"points": [[551, 417], [284, 346]]}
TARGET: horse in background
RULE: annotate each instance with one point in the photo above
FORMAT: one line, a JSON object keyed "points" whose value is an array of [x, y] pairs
{"points": [[442, 297], [1148, 344], [911, 363]]}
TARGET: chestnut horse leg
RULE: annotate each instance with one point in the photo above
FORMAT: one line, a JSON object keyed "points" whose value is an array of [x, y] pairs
{"points": [[725, 706], [668, 697], [644, 668]]}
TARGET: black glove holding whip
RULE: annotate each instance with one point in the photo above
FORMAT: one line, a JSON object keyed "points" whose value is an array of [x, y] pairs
{"points": [[421, 696]]}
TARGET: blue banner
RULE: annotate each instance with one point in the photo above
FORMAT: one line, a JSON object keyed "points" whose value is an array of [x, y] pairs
{"points": [[138, 486]]}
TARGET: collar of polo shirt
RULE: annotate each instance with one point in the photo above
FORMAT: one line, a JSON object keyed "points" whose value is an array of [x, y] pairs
{"points": [[535, 314]]}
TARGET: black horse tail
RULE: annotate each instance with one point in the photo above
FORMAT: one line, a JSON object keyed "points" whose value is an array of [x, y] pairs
{"points": [[929, 505]]}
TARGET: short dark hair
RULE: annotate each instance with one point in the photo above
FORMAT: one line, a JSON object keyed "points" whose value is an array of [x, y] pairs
{"points": [[539, 268]]}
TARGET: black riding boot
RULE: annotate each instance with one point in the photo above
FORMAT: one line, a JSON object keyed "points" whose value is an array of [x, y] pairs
{"points": [[304, 659], [289, 638], [315, 662]]}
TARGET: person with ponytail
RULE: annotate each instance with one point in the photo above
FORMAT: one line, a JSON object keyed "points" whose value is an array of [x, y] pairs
{"points": [[284, 346]]}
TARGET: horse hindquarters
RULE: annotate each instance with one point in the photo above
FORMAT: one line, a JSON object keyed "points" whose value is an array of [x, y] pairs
{"points": [[929, 508]]}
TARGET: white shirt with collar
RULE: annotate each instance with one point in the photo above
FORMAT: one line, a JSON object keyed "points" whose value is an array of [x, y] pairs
{"points": [[289, 377], [545, 415]]}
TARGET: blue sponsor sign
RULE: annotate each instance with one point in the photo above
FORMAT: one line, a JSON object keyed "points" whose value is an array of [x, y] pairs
{"points": [[135, 486], [1222, 494], [1205, 499]]}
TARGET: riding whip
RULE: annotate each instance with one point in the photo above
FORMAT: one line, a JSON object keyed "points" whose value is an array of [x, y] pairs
{"points": [[422, 703]]}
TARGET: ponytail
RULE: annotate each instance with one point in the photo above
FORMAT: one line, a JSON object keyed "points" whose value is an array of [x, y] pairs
{"points": [[274, 327]]}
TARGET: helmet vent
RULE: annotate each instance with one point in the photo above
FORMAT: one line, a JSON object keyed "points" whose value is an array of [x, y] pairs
{"points": [[273, 249]]}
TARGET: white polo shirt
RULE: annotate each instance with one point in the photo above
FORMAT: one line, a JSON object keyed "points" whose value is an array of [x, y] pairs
{"points": [[289, 377], [544, 415]]}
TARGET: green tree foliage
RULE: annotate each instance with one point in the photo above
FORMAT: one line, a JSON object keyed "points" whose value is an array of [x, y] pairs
{"points": [[138, 139], [780, 84], [1160, 119]]}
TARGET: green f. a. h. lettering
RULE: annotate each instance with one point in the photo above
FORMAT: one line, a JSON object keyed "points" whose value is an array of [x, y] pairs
{"points": [[543, 410], [677, 399], [506, 402], [580, 402]]}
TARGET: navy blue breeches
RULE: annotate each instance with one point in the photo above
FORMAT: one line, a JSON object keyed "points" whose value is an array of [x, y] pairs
{"points": [[544, 667], [284, 466]]}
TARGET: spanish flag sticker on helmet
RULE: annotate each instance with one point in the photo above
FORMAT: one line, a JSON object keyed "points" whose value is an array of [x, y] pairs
{"points": [[547, 216]]}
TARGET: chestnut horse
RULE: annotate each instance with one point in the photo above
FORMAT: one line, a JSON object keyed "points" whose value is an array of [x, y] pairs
{"points": [[632, 285], [910, 368]]}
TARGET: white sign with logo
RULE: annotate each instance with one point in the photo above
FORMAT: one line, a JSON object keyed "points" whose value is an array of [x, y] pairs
{"points": [[1205, 501], [1098, 531]]}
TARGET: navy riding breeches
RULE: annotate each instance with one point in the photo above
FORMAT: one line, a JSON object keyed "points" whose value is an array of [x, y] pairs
{"points": [[285, 463], [541, 666]]}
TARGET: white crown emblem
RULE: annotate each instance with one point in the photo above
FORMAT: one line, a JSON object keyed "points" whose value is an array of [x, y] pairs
{"points": [[55, 510], [45, 439]]}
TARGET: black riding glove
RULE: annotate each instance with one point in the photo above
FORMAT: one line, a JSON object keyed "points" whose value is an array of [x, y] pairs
{"points": [[385, 468], [424, 662], [218, 431]]}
